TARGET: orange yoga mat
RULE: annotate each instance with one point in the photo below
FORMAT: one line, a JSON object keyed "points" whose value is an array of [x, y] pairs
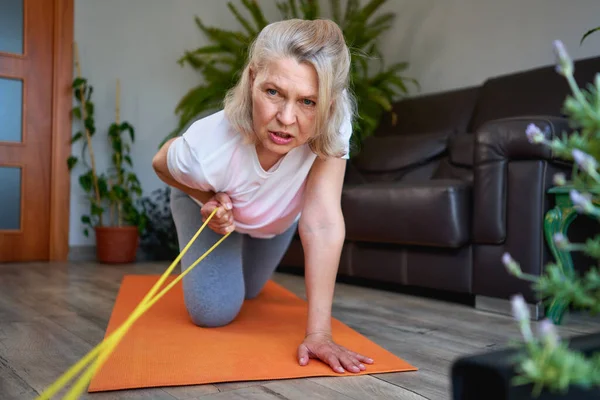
{"points": [[165, 348]]}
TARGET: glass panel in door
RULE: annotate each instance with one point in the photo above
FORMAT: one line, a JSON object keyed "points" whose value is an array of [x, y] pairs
{"points": [[11, 26]]}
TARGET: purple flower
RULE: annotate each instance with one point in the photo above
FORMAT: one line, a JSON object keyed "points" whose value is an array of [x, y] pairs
{"points": [[519, 307], [521, 314], [585, 161], [534, 134], [510, 264], [560, 240], [560, 179], [582, 202], [547, 332], [564, 65]]}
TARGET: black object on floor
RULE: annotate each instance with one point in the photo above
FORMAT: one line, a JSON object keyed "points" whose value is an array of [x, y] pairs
{"points": [[489, 376]]}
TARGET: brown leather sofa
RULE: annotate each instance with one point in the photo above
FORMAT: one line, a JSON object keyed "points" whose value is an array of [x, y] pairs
{"points": [[435, 200]]}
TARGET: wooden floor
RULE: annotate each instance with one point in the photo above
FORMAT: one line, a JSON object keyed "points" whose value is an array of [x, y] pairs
{"points": [[52, 314]]}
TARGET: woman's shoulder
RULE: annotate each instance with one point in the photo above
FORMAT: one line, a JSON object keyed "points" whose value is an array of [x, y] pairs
{"points": [[208, 127], [210, 134]]}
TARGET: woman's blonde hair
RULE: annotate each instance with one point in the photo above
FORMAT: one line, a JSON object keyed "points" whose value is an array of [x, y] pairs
{"points": [[320, 43]]}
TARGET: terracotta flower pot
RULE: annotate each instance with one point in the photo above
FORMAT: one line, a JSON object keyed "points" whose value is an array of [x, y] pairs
{"points": [[116, 244]]}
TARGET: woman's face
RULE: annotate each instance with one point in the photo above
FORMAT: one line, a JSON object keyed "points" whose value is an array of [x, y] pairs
{"points": [[284, 98]]}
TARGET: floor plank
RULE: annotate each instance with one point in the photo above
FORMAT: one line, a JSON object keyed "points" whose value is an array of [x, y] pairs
{"points": [[291, 389], [367, 387]]}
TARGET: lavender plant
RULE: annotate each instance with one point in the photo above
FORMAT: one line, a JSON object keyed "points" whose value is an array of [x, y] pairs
{"points": [[546, 361]]}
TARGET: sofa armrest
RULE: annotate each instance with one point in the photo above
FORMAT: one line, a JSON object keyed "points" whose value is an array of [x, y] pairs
{"points": [[505, 139], [497, 143]]}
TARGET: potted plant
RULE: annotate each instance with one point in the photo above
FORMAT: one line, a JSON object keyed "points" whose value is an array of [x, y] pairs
{"points": [[544, 366], [159, 239], [117, 239]]}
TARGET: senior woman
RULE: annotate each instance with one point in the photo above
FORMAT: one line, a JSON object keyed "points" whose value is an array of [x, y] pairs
{"points": [[272, 161]]}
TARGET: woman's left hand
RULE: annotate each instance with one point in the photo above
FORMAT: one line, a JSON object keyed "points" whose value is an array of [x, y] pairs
{"points": [[339, 358]]}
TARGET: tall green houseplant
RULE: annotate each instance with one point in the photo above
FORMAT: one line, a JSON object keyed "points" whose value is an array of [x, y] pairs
{"points": [[125, 187], [117, 238], [221, 62], [117, 190]]}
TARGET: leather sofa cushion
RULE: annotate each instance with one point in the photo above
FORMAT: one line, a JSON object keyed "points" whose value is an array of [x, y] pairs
{"points": [[431, 112], [434, 213], [538, 91], [393, 153]]}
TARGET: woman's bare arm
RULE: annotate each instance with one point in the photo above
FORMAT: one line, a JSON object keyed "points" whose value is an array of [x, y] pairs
{"points": [[159, 163]]}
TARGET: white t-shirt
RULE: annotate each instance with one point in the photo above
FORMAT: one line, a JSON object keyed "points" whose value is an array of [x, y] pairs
{"points": [[211, 156]]}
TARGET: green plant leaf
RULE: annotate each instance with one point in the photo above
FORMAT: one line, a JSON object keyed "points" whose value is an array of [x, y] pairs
{"points": [[90, 125], [228, 39], [382, 21], [78, 82], [85, 181], [310, 9], [257, 14], [71, 162], [370, 8], [103, 186], [89, 108], [76, 137], [588, 33], [126, 126], [336, 10], [96, 209], [243, 21]]}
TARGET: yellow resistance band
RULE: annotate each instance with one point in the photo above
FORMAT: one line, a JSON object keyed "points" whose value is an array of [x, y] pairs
{"points": [[106, 347]]}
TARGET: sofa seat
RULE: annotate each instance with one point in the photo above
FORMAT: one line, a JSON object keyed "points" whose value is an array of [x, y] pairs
{"points": [[432, 213]]}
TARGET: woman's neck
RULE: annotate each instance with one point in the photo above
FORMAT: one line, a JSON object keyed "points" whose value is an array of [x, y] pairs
{"points": [[266, 158]]}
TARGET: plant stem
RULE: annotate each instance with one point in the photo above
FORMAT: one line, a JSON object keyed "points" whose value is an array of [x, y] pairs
{"points": [[87, 133], [117, 114], [118, 155], [580, 97], [111, 206]]}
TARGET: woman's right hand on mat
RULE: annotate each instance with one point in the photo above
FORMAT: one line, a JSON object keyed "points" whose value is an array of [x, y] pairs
{"points": [[222, 222], [340, 359]]}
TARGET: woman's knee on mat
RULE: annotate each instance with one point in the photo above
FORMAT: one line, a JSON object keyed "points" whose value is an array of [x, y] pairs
{"points": [[214, 315]]}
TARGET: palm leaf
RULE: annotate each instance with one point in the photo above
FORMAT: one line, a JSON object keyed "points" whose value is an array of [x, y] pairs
{"points": [[288, 10], [351, 8], [251, 31], [588, 33], [257, 14], [384, 20], [310, 9], [231, 41], [336, 10], [370, 8], [377, 96], [389, 73], [192, 57]]}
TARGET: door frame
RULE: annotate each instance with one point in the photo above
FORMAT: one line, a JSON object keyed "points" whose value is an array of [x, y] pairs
{"points": [[62, 96]]}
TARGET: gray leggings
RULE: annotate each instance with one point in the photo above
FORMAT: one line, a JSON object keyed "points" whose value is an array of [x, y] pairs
{"points": [[237, 269]]}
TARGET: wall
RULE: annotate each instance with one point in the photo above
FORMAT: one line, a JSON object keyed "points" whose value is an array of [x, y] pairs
{"points": [[457, 43], [450, 44]]}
